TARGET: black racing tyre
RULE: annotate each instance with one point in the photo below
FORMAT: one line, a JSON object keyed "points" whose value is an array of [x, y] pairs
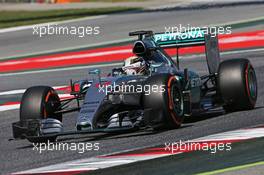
{"points": [[237, 84], [166, 104], [40, 102]]}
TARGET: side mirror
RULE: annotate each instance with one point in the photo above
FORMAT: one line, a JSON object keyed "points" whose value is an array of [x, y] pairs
{"points": [[84, 85], [96, 72]]}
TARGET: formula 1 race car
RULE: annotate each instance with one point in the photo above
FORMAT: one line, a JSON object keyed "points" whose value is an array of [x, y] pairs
{"points": [[149, 91]]}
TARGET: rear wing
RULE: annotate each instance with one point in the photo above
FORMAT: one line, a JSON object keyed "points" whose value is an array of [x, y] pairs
{"points": [[189, 39], [184, 39]]}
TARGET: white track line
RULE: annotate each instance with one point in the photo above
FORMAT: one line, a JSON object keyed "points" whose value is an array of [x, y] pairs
{"points": [[69, 57], [222, 53], [112, 64], [237, 39], [241, 134], [21, 91], [70, 48], [102, 162], [14, 29], [62, 69], [9, 107], [97, 44], [13, 92], [231, 39]]}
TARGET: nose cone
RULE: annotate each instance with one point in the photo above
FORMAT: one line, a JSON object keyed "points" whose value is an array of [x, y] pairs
{"points": [[83, 123]]}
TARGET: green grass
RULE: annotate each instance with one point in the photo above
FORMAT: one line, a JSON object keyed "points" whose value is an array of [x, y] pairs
{"points": [[18, 18]]}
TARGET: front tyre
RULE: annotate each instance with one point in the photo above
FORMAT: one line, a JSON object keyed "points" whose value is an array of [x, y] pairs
{"points": [[237, 84], [167, 104], [40, 102]]}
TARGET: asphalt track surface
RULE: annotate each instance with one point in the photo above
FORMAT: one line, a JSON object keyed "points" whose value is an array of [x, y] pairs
{"points": [[245, 153], [116, 27], [18, 155]]}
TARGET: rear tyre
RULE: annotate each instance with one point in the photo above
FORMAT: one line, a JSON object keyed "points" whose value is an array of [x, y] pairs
{"points": [[40, 102], [166, 104], [237, 84]]}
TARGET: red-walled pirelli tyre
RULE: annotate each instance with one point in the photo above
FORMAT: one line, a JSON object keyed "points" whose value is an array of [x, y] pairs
{"points": [[40, 102], [167, 104], [237, 84]]}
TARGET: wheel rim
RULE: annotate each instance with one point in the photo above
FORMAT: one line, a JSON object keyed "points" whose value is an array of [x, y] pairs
{"points": [[252, 83], [177, 100], [51, 104]]}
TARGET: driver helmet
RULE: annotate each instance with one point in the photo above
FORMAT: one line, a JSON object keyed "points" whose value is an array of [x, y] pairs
{"points": [[134, 66]]}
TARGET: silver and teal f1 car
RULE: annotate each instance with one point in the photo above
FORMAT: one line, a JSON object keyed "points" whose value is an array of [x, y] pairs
{"points": [[158, 98]]}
